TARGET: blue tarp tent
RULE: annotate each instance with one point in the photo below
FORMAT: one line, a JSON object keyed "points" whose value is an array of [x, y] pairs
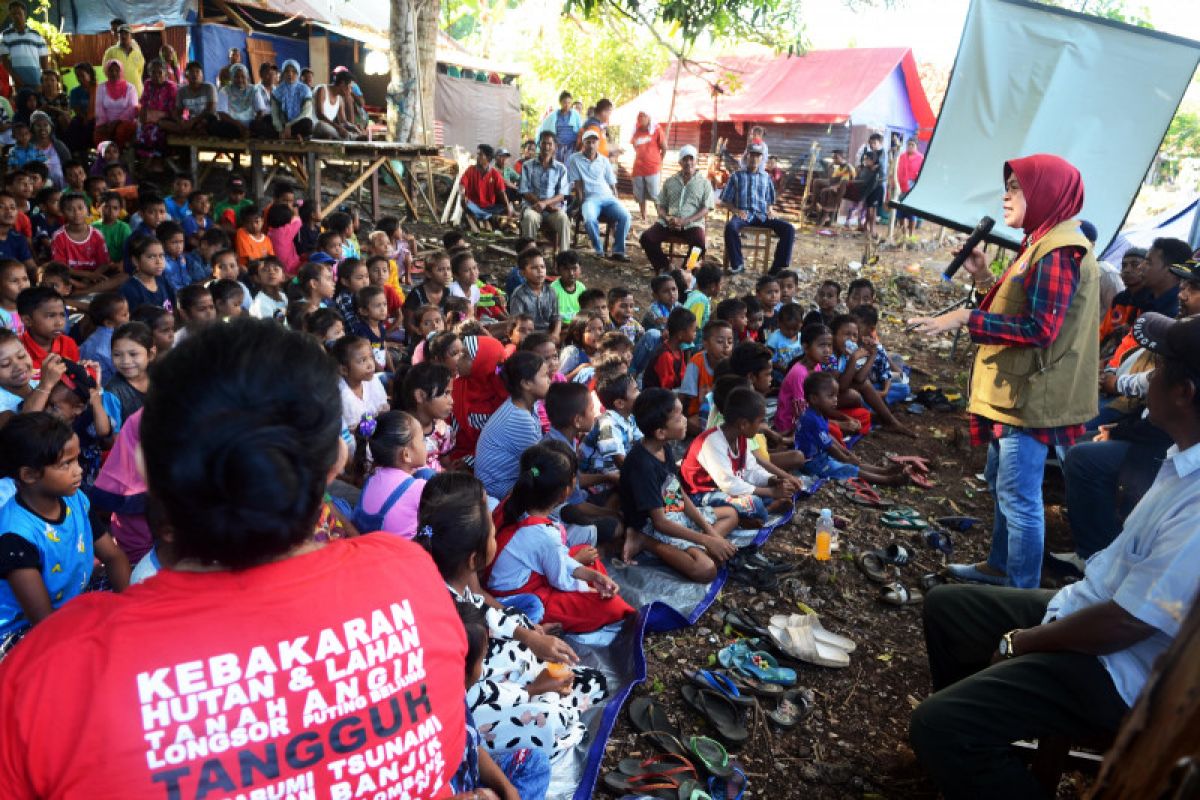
{"points": [[1180, 222]]}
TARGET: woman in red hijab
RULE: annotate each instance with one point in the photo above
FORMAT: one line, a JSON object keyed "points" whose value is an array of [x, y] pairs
{"points": [[1033, 384], [478, 394]]}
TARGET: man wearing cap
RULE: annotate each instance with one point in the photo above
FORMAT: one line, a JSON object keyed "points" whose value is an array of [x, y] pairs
{"points": [[235, 200], [683, 203], [483, 187], [595, 186], [1011, 664], [512, 178], [544, 188], [23, 49], [749, 195], [127, 52]]}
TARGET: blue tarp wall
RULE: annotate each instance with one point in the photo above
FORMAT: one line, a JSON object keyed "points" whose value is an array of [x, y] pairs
{"points": [[211, 45], [93, 16]]}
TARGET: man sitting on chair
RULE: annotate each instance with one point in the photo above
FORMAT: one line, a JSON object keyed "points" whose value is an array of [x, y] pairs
{"points": [[749, 196], [683, 203], [1071, 663], [545, 187], [483, 187], [595, 185]]}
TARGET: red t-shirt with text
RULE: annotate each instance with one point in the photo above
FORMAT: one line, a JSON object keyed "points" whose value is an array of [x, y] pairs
{"points": [[334, 674], [90, 255]]}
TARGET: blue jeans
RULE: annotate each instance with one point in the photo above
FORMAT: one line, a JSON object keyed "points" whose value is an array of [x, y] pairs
{"points": [[1016, 463], [527, 604], [823, 465], [644, 349], [595, 209], [527, 770], [484, 214], [783, 248]]}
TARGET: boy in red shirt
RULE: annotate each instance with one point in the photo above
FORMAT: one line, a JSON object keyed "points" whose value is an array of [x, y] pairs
{"points": [[667, 365], [44, 313], [83, 249]]}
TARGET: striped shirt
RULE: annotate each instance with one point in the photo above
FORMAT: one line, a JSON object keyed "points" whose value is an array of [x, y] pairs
{"points": [[25, 50], [544, 182]]}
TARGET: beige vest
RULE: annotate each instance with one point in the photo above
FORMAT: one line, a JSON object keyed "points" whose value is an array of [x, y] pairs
{"points": [[1048, 387]]}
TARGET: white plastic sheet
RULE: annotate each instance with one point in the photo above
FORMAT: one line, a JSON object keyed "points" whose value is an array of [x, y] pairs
{"points": [[1034, 79]]}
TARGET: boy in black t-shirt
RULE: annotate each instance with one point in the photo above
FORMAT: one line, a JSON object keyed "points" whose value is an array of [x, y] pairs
{"points": [[659, 515]]}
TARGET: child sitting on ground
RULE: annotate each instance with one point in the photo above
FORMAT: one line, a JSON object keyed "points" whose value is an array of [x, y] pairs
{"points": [[784, 341], [593, 300], [824, 456], [425, 393], [699, 299], [43, 314], [195, 307], [377, 272], [392, 493], [250, 242], [699, 376], [668, 363], [892, 387], [271, 302], [610, 439], [175, 273], [718, 469], [48, 548], [282, 226], [767, 292], [108, 311], [400, 249], [660, 515], [855, 389], [315, 287], [620, 314], [226, 268], [115, 230], [666, 299], [363, 395], [789, 285], [568, 287], [828, 294], [860, 292], [733, 310], [572, 415], [466, 277], [755, 316], [434, 290], [582, 345], [197, 220], [371, 324], [532, 555], [227, 296], [534, 297], [351, 277]]}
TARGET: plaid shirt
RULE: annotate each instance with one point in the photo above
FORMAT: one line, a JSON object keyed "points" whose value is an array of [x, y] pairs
{"points": [[1050, 285], [750, 191], [544, 182]]}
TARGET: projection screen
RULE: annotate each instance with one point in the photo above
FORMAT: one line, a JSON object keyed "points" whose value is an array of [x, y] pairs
{"points": [[1030, 78]]}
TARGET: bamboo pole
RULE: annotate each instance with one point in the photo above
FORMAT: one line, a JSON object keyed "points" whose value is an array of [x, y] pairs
{"points": [[812, 163]]}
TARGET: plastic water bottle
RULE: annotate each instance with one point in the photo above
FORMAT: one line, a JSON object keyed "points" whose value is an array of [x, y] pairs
{"points": [[825, 530], [693, 258]]}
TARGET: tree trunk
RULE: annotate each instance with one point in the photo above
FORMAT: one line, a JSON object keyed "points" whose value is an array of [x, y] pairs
{"points": [[413, 65]]}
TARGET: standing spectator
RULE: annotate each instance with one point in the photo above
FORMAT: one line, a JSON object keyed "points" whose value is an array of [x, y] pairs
{"points": [[483, 187], [564, 125], [158, 101], [757, 138], [127, 52], [908, 167], [649, 147], [544, 187], [82, 102], [684, 202], [749, 196], [595, 185], [116, 107], [23, 50], [598, 121]]}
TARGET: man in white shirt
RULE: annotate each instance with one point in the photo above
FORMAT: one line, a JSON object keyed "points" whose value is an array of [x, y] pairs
{"points": [[1012, 664], [595, 185]]}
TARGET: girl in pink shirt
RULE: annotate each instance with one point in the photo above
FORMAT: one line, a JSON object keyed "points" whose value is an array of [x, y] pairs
{"points": [[817, 341], [282, 226], [395, 443]]}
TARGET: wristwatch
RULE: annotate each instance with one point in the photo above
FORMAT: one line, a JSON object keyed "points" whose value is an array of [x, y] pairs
{"points": [[1007, 649]]}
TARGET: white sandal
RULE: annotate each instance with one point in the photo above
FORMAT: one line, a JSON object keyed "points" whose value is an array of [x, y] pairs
{"points": [[820, 633]]}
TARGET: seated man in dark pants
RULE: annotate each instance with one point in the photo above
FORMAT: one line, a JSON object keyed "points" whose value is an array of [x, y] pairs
{"points": [[683, 202], [1012, 664], [749, 195]]}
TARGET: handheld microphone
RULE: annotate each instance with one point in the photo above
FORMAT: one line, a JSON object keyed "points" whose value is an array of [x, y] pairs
{"points": [[981, 230]]}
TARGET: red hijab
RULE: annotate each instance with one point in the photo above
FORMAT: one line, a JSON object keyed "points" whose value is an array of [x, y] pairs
{"points": [[116, 89], [479, 394], [1053, 191]]}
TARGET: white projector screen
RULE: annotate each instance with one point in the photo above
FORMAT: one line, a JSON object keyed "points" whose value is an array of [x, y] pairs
{"points": [[1030, 78]]}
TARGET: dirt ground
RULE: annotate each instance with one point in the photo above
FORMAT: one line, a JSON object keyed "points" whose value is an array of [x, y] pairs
{"points": [[854, 743]]}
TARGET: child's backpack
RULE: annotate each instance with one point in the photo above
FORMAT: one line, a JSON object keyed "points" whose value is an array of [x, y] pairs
{"points": [[366, 522]]}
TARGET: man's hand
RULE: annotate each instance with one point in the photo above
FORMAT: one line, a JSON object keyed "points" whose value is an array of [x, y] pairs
{"points": [[1108, 383], [976, 263], [742, 213]]}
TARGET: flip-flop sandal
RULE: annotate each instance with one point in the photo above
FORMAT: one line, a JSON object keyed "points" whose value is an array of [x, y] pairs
{"points": [[896, 594], [895, 553], [756, 688], [918, 478], [718, 682], [903, 512], [960, 524], [801, 644], [820, 632], [861, 493], [722, 715], [793, 707], [939, 540], [659, 786], [759, 579], [874, 567], [903, 523], [931, 580], [665, 742], [658, 764], [731, 788], [918, 463], [710, 754], [649, 718], [757, 560], [744, 622], [755, 663], [692, 790]]}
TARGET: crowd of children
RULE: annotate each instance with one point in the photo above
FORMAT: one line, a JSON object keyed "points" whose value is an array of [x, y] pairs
{"points": [[592, 430]]}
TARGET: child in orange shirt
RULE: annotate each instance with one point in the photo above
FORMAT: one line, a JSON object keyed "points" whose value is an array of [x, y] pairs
{"points": [[250, 242]]}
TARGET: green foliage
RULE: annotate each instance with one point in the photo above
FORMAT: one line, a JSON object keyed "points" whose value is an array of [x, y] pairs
{"points": [[773, 22], [591, 62], [1183, 137], [1115, 10]]}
